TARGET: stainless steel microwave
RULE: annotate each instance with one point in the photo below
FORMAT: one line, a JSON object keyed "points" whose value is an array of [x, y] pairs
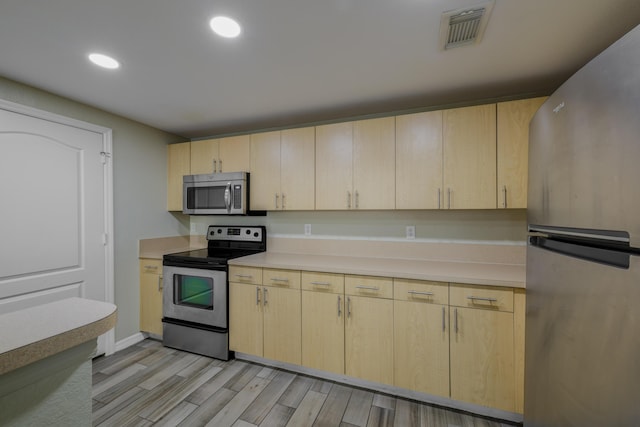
{"points": [[216, 194]]}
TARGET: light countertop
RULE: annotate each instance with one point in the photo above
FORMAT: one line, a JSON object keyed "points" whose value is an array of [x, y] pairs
{"points": [[477, 273], [35, 333]]}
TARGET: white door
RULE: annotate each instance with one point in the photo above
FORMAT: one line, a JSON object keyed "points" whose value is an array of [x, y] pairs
{"points": [[54, 220]]}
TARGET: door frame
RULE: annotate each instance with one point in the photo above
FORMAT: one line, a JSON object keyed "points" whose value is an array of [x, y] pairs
{"points": [[107, 145]]}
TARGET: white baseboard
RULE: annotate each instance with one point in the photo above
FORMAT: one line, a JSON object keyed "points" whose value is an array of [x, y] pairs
{"points": [[129, 341]]}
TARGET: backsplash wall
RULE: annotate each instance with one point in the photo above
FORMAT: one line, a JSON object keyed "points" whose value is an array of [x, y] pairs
{"points": [[493, 226]]}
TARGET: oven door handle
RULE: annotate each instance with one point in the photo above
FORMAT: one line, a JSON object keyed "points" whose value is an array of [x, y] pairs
{"points": [[227, 197]]}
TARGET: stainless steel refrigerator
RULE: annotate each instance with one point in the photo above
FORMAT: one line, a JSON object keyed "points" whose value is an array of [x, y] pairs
{"points": [[583, 257]]}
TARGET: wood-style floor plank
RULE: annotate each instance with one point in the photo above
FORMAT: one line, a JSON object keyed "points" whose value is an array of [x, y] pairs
{"points": [[258, 410], [357, 412], [236, 406], [308, 409], [148, 384]]}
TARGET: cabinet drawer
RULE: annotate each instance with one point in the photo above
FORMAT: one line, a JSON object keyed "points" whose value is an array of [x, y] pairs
{"points": [[281, 278], [378, 287], [150, 266], [250, 275], [323, 282], [489, 297], [421, 291]]}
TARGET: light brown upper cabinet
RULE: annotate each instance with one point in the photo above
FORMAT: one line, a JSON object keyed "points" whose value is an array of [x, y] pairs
{"points": [[178, 164], [355, 165], [513, 150], [283, 170], [469, 136], [334, 166], [419, 161], [229, 154]]}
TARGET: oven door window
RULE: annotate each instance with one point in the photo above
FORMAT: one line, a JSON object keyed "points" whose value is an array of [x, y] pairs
{"points": [[193, 291]]}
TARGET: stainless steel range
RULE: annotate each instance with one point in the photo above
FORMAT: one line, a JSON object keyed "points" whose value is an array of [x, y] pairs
{"points": [[195, 297]]}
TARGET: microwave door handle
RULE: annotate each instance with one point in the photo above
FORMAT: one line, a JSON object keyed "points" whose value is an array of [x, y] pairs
{"points": [[227, 197]]}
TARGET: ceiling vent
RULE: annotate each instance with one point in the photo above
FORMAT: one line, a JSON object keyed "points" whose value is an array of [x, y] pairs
{"points": [[463, 27]]}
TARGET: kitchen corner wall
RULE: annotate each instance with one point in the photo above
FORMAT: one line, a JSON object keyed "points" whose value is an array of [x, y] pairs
{"points": [[490, 226], [139, 189]]}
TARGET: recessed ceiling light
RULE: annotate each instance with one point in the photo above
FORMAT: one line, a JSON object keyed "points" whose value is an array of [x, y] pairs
{"points": [[225, 27], [104, 61]]}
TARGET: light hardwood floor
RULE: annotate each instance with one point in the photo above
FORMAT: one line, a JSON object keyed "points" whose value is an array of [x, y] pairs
{"points": [[151, 385]]}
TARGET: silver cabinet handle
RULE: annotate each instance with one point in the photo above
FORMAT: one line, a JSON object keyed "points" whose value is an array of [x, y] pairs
{"points": [[160, 283], [278, 279], [265, 290], [438, 197], [370, 288], [443, 318], [277, 207], [349, 199], [220, 162], [504, 196], [244, 276], [448, 198], [455, 320], [429, 294], [215, 165], [283, 200], [348, 307], [339, 306], [150, 268], [473, 299], [357, 199], [257, 295], [321, 283]]}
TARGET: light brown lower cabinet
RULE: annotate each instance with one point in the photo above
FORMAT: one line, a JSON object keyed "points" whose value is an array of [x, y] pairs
{"points": [[369, 328], [421, 336], [482, 347], [323, 321], [265, 316], [459, 341], [151, 296]]}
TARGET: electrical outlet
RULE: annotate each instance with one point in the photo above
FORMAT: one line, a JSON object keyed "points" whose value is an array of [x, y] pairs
{"points": [[193, 228], [411, 231], [307, 229]]}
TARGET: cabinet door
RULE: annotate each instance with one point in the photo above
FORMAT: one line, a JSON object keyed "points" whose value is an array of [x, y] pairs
{"points": [[151, 296], [374, 163], [469, 136], [265, 171], [245, 318], [334, 166], [513, 150], [203, 155], [282, 324], [298, 169], [178, 165], [421, 344], [482, 357], [419, 161], [234, 154], [369, 339], [323, 331]]}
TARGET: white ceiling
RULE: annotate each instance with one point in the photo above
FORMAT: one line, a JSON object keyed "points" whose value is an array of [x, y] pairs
{"points": [[297, 61]]}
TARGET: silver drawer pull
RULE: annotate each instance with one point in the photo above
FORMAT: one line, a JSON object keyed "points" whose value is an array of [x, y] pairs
{"points": [[472, 298], [244, 276], [151, 267], [277, 279], [321, 283], [369, 288], [429, 294]]}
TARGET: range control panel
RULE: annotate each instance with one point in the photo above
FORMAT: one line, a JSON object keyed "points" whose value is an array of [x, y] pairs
{"points": [[235, 233]]}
